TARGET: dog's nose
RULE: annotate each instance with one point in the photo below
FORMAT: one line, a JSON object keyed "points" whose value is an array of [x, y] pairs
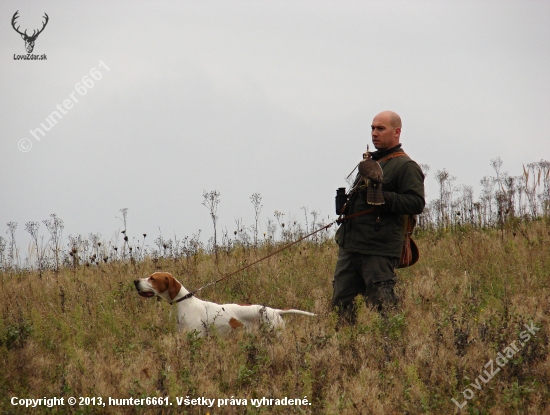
{"points": [[136, 282]]}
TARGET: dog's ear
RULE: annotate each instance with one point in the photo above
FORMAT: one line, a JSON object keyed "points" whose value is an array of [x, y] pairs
{"points": [[174, 287]]}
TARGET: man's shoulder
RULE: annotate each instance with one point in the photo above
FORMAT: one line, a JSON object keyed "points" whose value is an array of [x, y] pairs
{"points": [[402, 165]]}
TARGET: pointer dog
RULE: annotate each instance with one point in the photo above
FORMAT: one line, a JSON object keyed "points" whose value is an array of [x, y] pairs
{"points": [[195, 314]]}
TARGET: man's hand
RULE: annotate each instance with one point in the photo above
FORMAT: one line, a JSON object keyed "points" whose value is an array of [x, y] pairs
{"points": [[388, 202]]}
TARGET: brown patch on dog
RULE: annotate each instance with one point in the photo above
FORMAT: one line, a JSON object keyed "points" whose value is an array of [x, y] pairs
{"points": [[159, 281], [163, 281], [234, 323], [174, 286]]}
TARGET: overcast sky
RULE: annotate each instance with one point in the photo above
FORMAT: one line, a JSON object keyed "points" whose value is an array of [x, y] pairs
{"points": [[273, 97]]}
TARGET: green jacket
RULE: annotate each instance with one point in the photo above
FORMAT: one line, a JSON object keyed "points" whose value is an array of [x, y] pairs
{"points": [[403, 189]]}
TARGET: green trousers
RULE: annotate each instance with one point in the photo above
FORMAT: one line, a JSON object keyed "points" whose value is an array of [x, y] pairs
{"points": [[369, 275]]}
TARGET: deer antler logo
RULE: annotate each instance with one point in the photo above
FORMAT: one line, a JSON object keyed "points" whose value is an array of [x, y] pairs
{"points": [[29, 40]]}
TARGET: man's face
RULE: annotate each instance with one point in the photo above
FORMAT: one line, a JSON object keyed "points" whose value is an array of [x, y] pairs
{"points": [[384, 135]]}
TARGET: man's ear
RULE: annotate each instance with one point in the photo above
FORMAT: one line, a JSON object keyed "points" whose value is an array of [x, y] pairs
{"points": [[174, 287]]}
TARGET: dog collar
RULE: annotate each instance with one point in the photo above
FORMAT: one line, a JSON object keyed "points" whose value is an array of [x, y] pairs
{"points": [[185, 297]]}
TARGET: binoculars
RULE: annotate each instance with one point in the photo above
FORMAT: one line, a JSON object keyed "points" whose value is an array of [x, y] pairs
{"points": [[341, 200]]}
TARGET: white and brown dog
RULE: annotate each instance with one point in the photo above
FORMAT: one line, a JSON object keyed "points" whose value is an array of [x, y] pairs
{"points": [[195, 314]]}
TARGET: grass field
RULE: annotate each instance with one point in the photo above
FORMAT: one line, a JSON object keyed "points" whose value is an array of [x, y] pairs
{"points": [[84, 332]]}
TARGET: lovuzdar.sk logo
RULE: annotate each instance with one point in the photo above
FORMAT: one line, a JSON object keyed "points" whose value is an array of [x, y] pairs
{"points": [[29, 40]]}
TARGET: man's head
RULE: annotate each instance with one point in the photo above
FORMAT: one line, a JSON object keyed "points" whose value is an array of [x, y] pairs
{"points": [[386, 130]]}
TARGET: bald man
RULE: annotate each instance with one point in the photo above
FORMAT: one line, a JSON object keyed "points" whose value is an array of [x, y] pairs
{"points": [[370, 244]]}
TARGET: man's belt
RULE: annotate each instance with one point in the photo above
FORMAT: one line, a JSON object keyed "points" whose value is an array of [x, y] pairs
{"points": [[363, 212]]}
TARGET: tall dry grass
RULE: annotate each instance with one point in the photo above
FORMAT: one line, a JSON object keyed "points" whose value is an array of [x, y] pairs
{"points": [[85, 332]]}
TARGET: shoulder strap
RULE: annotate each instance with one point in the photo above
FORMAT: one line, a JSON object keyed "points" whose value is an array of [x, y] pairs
{"points": [[392, 156]]}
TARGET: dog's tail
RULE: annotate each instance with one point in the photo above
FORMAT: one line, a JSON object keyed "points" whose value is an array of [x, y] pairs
{"points": [[292, 311]]}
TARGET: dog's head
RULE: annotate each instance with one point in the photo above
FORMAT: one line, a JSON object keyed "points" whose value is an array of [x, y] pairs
{"points": [[162, 284]]}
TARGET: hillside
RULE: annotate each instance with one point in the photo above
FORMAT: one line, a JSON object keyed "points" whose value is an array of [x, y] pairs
{"points": [[84, 331]]}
